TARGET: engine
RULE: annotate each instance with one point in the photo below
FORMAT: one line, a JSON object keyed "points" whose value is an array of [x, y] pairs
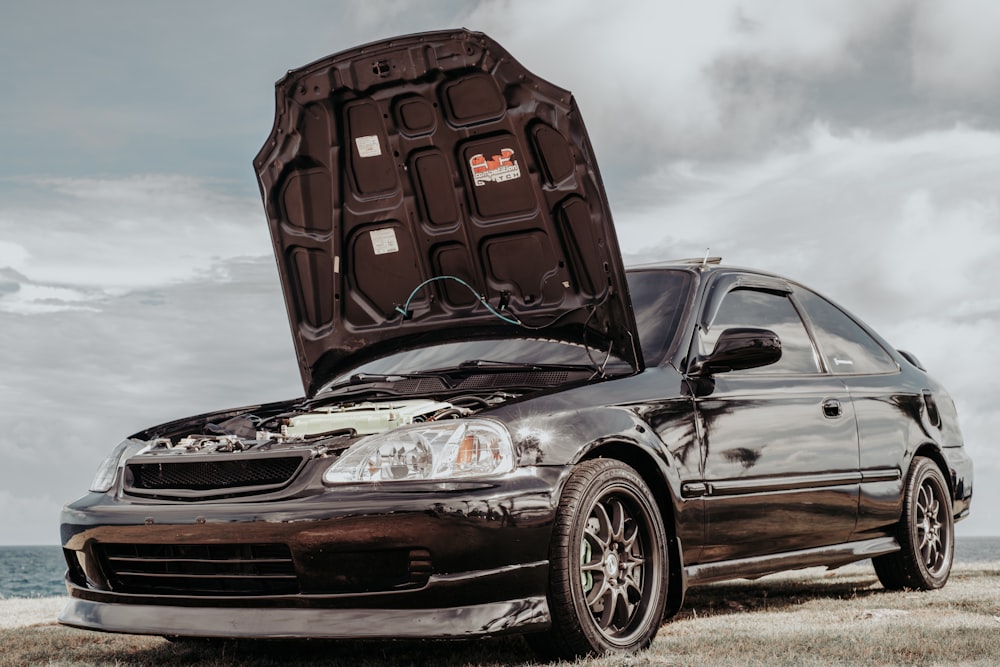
{"points": [[323, 425]]}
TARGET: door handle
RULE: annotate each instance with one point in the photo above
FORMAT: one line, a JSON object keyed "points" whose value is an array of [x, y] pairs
{"points": [[831, 408]]}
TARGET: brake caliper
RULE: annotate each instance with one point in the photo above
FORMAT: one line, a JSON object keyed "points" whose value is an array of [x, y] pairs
{"points": [[586, 577]]}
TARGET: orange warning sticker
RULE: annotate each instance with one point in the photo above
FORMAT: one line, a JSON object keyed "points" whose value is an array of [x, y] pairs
{"points": [[497, 169]]}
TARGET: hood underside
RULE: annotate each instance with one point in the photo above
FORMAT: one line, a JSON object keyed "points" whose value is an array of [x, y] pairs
{"points": [[429, 188]]}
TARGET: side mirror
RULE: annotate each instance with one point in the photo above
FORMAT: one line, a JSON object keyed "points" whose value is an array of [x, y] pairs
{"points": [[740, 348]]}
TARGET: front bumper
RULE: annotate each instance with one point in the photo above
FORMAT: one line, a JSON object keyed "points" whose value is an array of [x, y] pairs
{"points": [[285, 623], [436, 561]]}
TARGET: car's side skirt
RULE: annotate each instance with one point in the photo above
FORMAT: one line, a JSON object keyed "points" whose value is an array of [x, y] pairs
{"points": [[758, 566]]}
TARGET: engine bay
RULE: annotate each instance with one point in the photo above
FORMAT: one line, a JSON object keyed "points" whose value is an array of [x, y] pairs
{"points": [[264, 450], [324, 427]]}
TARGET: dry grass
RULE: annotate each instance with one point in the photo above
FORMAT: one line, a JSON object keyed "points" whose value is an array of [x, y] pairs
{"points": [[20, 612], [804, 618]]}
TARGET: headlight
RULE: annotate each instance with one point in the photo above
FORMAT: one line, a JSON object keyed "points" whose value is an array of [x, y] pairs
{"points": [[104, 479], [449, 449]]}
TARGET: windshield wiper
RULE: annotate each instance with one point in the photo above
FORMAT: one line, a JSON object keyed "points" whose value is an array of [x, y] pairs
{"points": [[490, 364], [449, 377], [365, 378]]}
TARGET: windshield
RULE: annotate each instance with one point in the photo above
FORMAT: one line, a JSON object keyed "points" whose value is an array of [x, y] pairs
{"points": [[658, 298]]}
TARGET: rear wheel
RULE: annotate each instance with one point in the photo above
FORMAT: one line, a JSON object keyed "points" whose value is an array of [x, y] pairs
{"points": [[608, 564], [926, 533]]}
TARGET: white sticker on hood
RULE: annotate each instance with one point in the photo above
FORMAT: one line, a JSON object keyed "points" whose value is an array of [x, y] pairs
{"points": [[368, 146], [384, 241]]}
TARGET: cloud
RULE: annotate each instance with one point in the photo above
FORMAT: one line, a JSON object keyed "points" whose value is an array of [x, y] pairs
{"points": [[189, 91], [715, 78], [13, 255], [857, 200], [125, 233], [27, 299], [956, 51], [37, 516], [661, 82]]}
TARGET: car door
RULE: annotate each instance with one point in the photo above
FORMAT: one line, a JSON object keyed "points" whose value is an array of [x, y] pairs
{"points": [[889, 410], [779, 443]]}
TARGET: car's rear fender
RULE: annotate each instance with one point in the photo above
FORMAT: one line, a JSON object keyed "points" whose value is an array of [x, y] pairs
{"points": [[956, 467]]}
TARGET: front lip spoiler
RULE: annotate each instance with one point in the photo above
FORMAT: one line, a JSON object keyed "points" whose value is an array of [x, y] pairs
{"points": [[531, 613]]}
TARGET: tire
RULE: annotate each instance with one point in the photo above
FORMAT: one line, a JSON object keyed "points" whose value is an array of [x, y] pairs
{"points": [[926, 533], [608, 565]]}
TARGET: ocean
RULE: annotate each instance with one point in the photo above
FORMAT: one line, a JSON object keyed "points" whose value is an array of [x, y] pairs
{"points": [[31, 572]]}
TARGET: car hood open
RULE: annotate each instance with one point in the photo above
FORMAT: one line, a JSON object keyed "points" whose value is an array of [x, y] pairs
{"points": [[428, 188]]}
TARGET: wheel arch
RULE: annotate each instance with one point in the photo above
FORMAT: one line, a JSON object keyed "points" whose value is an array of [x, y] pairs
{"points": [[931, 451], [649, 469]]}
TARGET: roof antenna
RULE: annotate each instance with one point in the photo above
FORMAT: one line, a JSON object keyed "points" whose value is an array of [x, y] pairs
{"points": [[704, 262]]}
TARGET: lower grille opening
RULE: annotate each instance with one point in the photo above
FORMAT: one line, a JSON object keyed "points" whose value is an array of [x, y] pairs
{"points": [[257, 569], [325, 571], [199, 569]]}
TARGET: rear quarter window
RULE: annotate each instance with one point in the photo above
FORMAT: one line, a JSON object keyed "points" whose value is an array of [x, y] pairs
{"points": [[846, 348]]}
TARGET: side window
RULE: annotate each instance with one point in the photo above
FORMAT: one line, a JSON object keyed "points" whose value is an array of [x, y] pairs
{"points": [[845, 346], [766, 310]]}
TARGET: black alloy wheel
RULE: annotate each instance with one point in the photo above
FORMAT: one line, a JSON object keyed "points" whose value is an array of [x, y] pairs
{"points": [[608, 564], [926, 533]]}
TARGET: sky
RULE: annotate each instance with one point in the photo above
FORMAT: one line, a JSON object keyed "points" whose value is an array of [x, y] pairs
{"points": [[851, 145]]}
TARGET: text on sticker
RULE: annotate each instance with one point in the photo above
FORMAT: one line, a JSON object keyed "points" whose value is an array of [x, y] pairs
{"points": [[368, 145], [384, 241], [497, 169]]}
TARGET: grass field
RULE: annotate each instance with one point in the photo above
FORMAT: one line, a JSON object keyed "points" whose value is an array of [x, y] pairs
{"points": [[811, 617]]}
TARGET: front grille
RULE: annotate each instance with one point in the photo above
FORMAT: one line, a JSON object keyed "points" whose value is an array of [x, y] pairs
{"points": [[210, 476], [199, 569]]}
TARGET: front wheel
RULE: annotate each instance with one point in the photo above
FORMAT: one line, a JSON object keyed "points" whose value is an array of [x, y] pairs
{"points": [[608, 564], [926, 533]]}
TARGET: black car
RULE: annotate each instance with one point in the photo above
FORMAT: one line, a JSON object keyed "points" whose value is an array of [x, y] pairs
{"points": [[503, 430]]}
